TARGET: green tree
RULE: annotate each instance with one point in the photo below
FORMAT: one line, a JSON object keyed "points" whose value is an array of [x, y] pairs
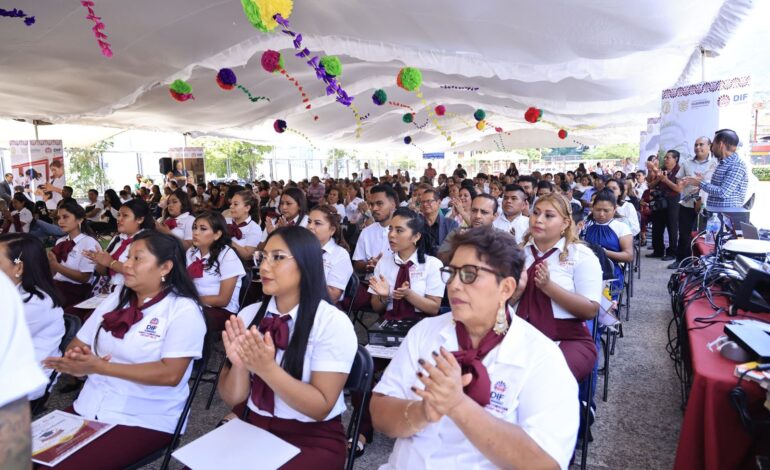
{"points": [[84, 168], [244, 157], [612, 152], [535, 154], [335, 156]]}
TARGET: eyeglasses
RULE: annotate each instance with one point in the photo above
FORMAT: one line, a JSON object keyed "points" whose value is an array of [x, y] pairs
{"points": [[468, 273], [427, 202], [272, 258]]}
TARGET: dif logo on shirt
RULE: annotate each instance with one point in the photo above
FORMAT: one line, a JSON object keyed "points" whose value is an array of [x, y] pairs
{"points": [[151, 329], [497, 398]]}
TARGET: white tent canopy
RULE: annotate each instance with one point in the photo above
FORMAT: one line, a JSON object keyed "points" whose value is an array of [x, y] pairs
{"points": [[595, 68]]}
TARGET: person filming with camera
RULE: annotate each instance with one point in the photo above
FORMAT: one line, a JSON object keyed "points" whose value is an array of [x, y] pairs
{"points": [[664, 205]]}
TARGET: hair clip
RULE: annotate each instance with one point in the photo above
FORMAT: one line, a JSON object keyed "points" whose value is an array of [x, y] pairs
{"points": [[17, 260]]}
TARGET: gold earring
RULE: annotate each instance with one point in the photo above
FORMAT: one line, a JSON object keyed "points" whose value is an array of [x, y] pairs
{"points": [[501, 321]]}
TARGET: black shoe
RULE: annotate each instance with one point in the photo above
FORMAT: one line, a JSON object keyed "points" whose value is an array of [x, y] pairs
{"points": [[668, 258], [674, 265], [653, 255]]}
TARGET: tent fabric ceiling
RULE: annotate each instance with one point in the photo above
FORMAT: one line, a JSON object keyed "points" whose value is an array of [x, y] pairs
{"points": [[598, 65]]}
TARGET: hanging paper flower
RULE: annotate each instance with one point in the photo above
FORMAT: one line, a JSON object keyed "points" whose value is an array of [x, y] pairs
{"points": [[407, 118], [479, 115], [440, 110], [409, 78], [380, 97], [16, 13], [261, 13], [498, 129], [481, 125], [332, 65], [563, 134], [532, 115], [98, 28], [407, 140], [180, 90], [280, 126], [272, 61], [226, 79]]}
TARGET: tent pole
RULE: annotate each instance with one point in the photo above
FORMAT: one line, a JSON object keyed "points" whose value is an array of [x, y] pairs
{"points": [[702, 64]]}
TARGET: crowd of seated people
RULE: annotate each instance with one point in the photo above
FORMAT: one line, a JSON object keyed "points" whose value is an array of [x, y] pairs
{"points": [[493, 267]]}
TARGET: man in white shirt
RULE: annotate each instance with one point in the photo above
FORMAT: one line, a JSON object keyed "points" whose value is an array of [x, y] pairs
{"points": [[326, 175], [366, 173], [94, 206], [512, 220], [20, 375]]}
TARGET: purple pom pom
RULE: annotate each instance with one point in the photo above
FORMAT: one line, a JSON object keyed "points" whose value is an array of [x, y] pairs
{"points": [[407, 140], [227, 77]]}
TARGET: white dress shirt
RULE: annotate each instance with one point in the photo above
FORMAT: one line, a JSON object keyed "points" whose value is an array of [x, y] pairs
{"points": [[337, 266], [25, 217], [424, 279], [184, 225], [531, 386], [251, 232], [630, 217], [352, 212], [331, 347], [117, 279], [519, 226], [46, 326], [96, 205], [230, 266], [76, 259]]}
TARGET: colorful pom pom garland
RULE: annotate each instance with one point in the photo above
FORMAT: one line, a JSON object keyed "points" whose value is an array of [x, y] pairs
{"points": [[409, 78], [532, 115], [98, 28], [407, 140], [562, 134], [280, 126], [440, 110], [180, 90], [227, 80], [464, 88], [272, 61], [407, 118], [479, 115], [332, 65], [380, 97], [16, 13], [261, 13], [481, 125]]}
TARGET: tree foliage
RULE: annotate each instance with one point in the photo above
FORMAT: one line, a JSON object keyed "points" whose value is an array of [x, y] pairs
{"points": [[613, 152], [84, 168], [245, 157]]}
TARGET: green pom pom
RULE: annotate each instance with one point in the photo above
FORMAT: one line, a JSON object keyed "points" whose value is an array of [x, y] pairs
{"points": [[380, 97], [407, 118], [332, 65], [410, 78], [479, 115], [181, 87]]}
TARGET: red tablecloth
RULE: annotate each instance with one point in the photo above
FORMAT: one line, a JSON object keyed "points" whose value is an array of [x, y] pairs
{"points": [[701, 248], [712, 437]]}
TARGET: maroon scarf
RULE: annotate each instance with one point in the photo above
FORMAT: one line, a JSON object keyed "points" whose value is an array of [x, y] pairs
{"points": [[122, 248], [195, 269], [278, 326], [170, 223], [535, 306], [235, 229], [119, 321], [401, 307], [62, 250], [16, 221], [470, 361]]}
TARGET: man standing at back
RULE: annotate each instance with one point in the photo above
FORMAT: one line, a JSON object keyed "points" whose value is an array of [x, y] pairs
{"points": [[366, 173], [430, 173], [315, 192], [6, 188]]}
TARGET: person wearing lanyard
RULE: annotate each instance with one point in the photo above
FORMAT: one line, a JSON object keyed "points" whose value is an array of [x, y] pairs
{"points": [[177, 220], [71, 267], [564, 283], [478, 387], [324, 223], [23, 260], [243, 229], [293, 209], [137, 351], [215, 269], [289, 356]]}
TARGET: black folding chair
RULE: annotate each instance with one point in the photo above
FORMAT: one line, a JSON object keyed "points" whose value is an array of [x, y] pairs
{"points": [[71, 326], [350, 293], [359, 381], [586, 413], [199, 368]]}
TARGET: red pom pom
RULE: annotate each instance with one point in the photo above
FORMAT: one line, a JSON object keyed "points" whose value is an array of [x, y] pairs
{"points": [[271, 60], [223, 85], [562, 134], [533, 115], [279, 125], [181, 96], [498, 129], [440, 110]]}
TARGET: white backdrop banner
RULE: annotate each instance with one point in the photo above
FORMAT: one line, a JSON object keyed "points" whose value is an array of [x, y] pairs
{"points": [[35, 155], [691, 111], [649, 142]]}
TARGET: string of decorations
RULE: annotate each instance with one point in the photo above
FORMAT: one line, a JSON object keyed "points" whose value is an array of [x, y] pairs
{"points": [[408, 118], [272, 62], [280, 127], [227, 80], [408, 141], [501, 145], [463, 88], [98, 28], [332, 86], [16, 13], [180, 90], [410, 79]]}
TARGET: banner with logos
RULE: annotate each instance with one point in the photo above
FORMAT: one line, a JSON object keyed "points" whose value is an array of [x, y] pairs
{"points": [[700, 109], [649, 142], [31, 159]]}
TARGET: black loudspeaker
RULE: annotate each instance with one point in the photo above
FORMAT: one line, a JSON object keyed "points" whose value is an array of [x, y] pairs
{"points": [[165, 165]]}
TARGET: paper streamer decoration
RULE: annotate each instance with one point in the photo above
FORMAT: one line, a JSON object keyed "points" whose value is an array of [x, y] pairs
{"points": [[261, 13], [280, 127], [180, 90], [227, 80], [98, 28], [272, 61], [410, 79], [16, 13], [332, 86], [464, 88], [358, 117]]}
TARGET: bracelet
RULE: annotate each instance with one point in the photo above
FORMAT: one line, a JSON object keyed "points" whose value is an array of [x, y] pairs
{"points": [[409, 423], [111, 263]]}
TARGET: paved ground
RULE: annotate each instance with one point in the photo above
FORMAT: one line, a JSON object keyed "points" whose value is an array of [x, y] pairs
{"points": [[636, 428]]}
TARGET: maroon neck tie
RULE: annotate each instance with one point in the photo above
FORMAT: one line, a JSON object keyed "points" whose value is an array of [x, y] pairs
{"points": [[278, 326], [119, 321], [170, 223], [535, 306], [121, 249], [470, 361], [401, 307], [62, 250], [291, 223], [16, 221], [195, 269], [235, 229]]}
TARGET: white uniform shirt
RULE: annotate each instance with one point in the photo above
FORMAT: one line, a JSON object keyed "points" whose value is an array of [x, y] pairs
{"points": [[19, 369], [76, 260], [251, 232], [337, 266], [59, 182], [580, 273], [352, 212], [96, 205], [184, 224], [424, 279], [230, 266], [117, 279], [519, 226], [25, 217], [372, 242], [331, 347], [46, 326], [531, 387], [630, 217], [340, 208], [172, 328], [297, 221], [366, 174]]}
